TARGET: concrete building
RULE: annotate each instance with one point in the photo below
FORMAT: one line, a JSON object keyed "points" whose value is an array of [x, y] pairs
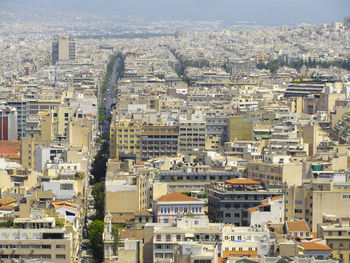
{"points": [[63, 49], [270, 210], [161, 240], [125, 137], [336, 232], [192, 133], [8, 123], [168, 208], [35, 239], [229, 201], [312, 200], [159, 141], [21, 107], [133, 190]]}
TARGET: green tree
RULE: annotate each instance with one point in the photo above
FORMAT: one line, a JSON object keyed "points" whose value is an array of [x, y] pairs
{"points": [[115, 234], [95, 234], [98, 192], [99, 167]]}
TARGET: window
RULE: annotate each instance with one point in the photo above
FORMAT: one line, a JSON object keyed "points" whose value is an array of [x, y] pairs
{"points": [[60, 256], [178, 237], [298, 211], [61, 246], [66, 187], [159, 238], [346, 196], [46, 246], [168, 238]]}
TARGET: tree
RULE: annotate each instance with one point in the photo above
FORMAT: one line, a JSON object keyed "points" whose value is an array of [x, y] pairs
{"points": [[98, 192], [99, 167], [115, 234], [95, 237]]}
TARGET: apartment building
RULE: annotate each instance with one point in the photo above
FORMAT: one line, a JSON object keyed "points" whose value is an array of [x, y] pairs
{"points": [[161, 240], [312, 200], [336, 232], [192, 133], [158, 141], [229, 201], [8, 123], [35, 239], [133, 190], [125, 136], [276, 170], [168, 208]]}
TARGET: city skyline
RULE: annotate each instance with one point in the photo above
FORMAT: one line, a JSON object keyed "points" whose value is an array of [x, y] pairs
{"points": [[269, 12]]}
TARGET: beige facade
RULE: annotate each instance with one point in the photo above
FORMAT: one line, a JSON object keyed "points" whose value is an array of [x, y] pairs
{"points": [[125, 136], [315, 199], [276, 174], [125, 196]]}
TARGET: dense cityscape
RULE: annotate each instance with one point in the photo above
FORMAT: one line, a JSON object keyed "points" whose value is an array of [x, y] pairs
{"points": [[173, 141]]}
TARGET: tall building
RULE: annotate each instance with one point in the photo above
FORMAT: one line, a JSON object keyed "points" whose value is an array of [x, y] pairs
{"points": [[8, 123], [347, 21], [21, 106], [63, 49]]}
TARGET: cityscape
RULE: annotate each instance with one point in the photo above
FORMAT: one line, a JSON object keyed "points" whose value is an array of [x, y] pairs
{"points": [[174, 132]]}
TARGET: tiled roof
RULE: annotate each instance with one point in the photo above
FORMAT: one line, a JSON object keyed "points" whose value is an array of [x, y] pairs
{"points": [[176, 197], [272, 199], [7, 200], [242, 181], [252, 254], [297, 226], [315, 246], [133, 234], [256, 208], [6, 207]]}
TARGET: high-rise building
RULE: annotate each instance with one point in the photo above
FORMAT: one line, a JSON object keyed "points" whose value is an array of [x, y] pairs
{"points": [[8, 123], [63, 49], [347, 21]]}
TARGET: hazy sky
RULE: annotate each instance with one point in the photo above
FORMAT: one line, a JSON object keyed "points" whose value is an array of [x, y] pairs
{"points": [[230, 11]]}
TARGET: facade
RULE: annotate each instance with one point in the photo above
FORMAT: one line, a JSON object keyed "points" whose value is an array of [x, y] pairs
{"points": [[125, 137], [336, 232], [63, 49], [229, 202], [21, 107], [134, 192], [313, 200], [35, 240], [159, 141], [270, 210], [192, 133], [8, 123], [168, 208], [240, 128], [161, 240], [276, 172]]}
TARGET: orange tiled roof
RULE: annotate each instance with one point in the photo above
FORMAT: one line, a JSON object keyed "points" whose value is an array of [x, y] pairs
{"points": [[298, 226], [256, 208], [67, 204], [6, 207], [176, 197], [7, 200], [252, 254], [272, 199], [243, 181], [315, 246]]}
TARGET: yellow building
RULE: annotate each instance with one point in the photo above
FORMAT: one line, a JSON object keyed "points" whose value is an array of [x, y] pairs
{"points": [[312, 200], [240, 128], [125, 136]]}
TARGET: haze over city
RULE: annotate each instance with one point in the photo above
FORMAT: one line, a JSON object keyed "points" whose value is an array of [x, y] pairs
{"points": [[188, 131]]}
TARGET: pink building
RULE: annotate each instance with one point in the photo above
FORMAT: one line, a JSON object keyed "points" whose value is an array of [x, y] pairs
{"points": [[168, 208]]}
